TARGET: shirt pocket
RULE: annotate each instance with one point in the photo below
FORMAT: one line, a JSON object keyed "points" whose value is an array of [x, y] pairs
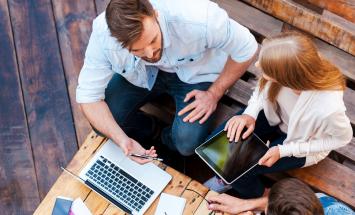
{"points": [[189, 59], [128, 72]]}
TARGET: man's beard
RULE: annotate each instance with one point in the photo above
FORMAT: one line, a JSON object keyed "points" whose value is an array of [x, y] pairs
{"points": [[155, 59]]}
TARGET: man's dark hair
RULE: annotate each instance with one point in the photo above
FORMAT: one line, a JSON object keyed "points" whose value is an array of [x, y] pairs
{"points": [[124, 19], [293, 197]]}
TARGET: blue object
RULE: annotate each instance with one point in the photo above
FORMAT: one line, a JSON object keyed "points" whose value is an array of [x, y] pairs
{"points": [[62, 206]]}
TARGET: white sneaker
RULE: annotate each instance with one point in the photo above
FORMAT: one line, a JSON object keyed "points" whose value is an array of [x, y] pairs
{"points": [[217, 185]]}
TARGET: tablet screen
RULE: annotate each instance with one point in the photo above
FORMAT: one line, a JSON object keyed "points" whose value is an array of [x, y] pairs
{"points": [[231, 160]]}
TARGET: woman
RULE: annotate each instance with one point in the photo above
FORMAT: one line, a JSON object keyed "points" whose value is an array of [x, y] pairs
{"points": [[297, 105]]}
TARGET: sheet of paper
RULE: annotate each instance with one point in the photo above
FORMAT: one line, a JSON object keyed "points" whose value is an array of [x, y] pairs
{"points": [[79, 208], [170, 205]]}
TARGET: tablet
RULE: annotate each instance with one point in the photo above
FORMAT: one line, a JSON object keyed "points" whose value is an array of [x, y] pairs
{"points": [[231, 160]]}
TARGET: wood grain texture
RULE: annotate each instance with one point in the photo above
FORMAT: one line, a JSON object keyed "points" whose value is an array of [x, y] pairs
{"points": [[48, 110], [193, 200], [175, 187], [329, 177], [66, 185], [73, 21], [96, 203], [203, 207], [308, 21], [343, 8], [343, 60], [267, 26], [18, 186], [101, 5], [113, 210]]}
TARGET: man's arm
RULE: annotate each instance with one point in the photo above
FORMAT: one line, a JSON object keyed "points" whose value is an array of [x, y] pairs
{"points": [[234, 39], [231, 73], [206, 101], [90, 94], [100, 117]]}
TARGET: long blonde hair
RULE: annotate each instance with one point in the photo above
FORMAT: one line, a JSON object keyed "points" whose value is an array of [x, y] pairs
{"points": [[292, 60]]}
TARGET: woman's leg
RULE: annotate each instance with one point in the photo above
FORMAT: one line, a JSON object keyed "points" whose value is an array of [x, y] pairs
{"points": [[250, 185]]}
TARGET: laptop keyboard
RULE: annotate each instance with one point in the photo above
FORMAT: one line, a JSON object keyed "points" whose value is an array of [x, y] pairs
{"points": [[119, 183]]}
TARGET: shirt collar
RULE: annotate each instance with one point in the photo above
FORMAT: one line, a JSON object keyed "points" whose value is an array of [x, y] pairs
{"points": [[164, 29]]}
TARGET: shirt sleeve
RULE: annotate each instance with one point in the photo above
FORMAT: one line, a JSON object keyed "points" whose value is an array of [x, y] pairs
{"points": [[338, 133], [95, 73], [255, 103], [228, 35]]}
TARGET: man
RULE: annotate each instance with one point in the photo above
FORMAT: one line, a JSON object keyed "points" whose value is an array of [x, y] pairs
{"points": [[288, 196], [140, 49]]}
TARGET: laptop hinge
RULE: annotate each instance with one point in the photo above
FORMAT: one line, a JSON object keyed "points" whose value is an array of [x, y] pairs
{"points": [[92, 186]]}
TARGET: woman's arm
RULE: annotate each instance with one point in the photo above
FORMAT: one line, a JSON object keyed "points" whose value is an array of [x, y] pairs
{"points": [[255, 103], [338, 133]]}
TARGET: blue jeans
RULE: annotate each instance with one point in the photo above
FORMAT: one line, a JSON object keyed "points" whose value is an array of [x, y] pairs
{"points": [[250, 185], [332, 206], [124, 100]]}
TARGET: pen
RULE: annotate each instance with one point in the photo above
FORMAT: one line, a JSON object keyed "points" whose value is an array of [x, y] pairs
{"points": [[145, 157]]}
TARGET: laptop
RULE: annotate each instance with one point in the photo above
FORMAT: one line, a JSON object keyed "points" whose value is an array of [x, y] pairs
{"points": [[130, 186], [231, 160]]}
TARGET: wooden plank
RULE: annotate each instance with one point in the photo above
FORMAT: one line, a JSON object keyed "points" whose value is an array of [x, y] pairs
{"points": [[240, 12], [66, 185], [19, 191], [113, 210], [349, 164], [344, 61], [193, 200], [339, 20], [203, 207], [46, 98], [175, 187], [250, 17], [308, 21], [96, 203], [348, 151], [73, 23], [101, 5], [325, 177], [344, 8]]}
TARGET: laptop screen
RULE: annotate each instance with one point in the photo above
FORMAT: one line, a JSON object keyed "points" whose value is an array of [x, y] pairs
{"points": [[231, 160]]}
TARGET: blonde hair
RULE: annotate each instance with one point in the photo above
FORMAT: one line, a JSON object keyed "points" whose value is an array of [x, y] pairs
{"points": [[292, 60]]}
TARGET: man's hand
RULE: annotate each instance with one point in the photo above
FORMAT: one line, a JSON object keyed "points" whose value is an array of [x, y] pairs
{"points": [[201, 108], [228, 204], [270, 157], [129, 145]]}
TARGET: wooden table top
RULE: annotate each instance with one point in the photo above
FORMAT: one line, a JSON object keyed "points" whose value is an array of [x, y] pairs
{"points": [[68, 186]]}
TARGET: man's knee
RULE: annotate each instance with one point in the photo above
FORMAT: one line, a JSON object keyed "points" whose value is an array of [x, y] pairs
{"points": [[186, 140]]}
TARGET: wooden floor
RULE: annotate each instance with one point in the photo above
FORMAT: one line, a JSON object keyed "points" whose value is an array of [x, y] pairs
{"points": [[42, 46]]}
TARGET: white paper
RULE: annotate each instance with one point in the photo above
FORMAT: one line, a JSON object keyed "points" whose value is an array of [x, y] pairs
{"points": [[79, 208], [170, 205]]}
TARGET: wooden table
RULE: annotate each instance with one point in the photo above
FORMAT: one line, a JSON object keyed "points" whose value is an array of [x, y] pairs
{"points": [[67, 186]]}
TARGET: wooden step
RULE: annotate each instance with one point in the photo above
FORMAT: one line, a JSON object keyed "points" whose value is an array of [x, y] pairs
{"points": [[308, 21], [267, 26], [330, 177]]}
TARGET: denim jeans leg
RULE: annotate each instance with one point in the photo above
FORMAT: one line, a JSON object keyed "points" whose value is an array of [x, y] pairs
{"points": [[250, 185], [182, 136], [124, 100]]}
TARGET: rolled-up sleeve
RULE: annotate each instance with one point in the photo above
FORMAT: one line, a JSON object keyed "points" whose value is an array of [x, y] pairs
{"points": [[228, 35], [95, 73], [337, 133]]}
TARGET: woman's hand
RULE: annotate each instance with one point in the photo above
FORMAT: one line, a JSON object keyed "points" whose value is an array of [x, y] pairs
{"points": [[129, 146], [236, 124], [228, 204], [270, 157]]}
